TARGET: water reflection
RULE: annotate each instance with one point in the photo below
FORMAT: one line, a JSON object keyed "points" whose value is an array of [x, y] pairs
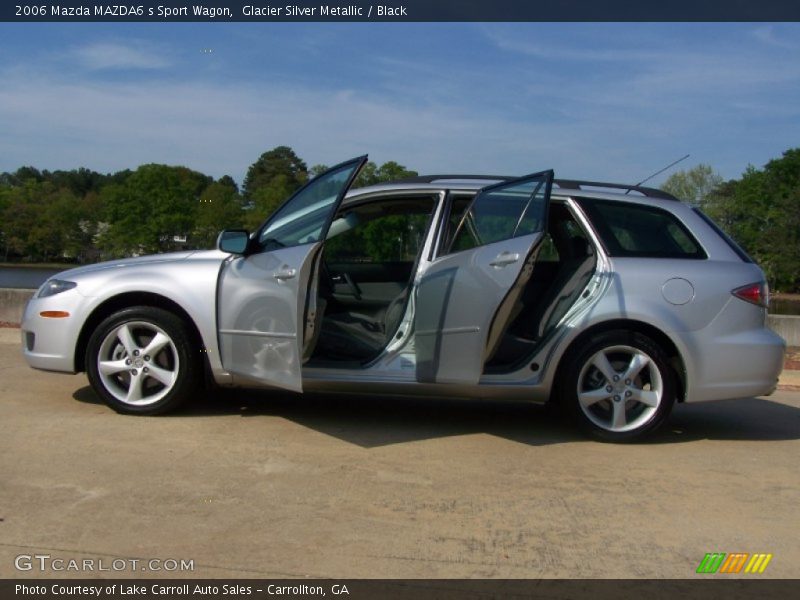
{"points": [[25, 277]]}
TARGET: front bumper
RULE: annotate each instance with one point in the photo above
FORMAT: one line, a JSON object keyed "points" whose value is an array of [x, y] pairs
{"points": [[49, 343]]}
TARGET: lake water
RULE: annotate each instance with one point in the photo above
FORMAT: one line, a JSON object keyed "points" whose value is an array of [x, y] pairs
{"points": [[25, 277]]}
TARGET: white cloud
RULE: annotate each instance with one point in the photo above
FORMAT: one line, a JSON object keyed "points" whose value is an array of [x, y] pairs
{"points": [[619, 122], [111, 55], [503, 39], [766, 35], [222, 130]]}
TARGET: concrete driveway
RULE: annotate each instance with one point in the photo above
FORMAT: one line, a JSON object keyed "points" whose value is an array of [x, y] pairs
{"points": [[272, 485]]}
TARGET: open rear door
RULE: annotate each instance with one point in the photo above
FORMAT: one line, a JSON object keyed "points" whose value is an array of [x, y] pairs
{"points": [[464, 299], [262, 295]]}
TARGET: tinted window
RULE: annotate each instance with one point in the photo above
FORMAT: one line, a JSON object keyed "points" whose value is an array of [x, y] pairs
{"points": [[385, 238], [547, 251], [301, 220], [502, 212], [637, 230], [457, 208]]}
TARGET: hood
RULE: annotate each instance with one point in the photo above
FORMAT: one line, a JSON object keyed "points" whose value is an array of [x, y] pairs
{"points": [[170, 257]]}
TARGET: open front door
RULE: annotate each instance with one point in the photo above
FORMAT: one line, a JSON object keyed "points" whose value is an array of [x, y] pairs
{"points": [[466, 296], [262, 295]]}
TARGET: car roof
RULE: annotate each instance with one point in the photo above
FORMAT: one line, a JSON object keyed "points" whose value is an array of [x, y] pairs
{"points": [[561, 187]]}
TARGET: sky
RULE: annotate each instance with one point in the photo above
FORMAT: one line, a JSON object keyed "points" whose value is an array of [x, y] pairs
{"points": [[611, 102]]}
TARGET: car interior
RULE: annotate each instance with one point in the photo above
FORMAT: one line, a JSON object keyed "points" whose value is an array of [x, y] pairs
{"points": [[565, 263], [366, 274], [367, 269]]}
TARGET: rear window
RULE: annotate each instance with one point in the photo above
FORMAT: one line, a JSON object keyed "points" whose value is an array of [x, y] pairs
{"points": [[635, 230]]}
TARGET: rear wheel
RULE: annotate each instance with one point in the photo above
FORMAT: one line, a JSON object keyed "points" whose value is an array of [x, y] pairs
{"points": [[143, 360], [619, 386]]}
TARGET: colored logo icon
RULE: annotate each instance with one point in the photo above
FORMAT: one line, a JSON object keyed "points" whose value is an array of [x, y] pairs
{"points": [[737, 562]]}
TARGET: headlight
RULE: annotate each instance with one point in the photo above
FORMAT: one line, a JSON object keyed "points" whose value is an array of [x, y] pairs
{"points": [[55, 286]]}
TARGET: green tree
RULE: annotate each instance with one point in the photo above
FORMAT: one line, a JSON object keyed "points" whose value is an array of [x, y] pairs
{"points": [[372, 174], [152, 206], [80, 181], [34, 216], [220, 207], [386, 239], [761, 211], [228, 181], [278, 162], [317, 170], [74, 222], [17, 218], [694, 185], [267, 198]]}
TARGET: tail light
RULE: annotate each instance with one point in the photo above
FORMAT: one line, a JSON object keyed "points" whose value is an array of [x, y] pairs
{"points": [[754, 293]]}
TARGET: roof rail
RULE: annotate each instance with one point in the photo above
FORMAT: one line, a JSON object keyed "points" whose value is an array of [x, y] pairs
{"points": [[567, 184], [573, 184], [434, 178]]}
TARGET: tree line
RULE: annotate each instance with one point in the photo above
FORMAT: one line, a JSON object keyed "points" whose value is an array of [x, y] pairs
{"points": [[760, 210], [84, 216]]}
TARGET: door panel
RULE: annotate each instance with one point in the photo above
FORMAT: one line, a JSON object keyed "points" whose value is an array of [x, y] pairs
{"points": [[369, 284], [457, 301], [468, 293], [262, 296], [260, 316]]}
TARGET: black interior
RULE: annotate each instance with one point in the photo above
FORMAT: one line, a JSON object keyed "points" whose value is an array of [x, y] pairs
{"points": [[364, 297], [363, 309], [560, 274]]}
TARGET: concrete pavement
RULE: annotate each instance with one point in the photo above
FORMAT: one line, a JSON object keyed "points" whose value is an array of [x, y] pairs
{"points": [[269, 485]]}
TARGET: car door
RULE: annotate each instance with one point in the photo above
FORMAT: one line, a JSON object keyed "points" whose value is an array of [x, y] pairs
{"points": [[467, 295], [262, 295]]}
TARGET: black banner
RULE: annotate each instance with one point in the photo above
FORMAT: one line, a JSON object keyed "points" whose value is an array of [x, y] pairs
{"points": [[402, 10], [419, 589]]}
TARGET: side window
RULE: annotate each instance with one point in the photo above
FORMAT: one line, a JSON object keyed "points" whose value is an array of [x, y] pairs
{"points": [[574, 230], [502, 212], [302, 219], [457, 208], [548, 251], [637, 230], [381, 238]]}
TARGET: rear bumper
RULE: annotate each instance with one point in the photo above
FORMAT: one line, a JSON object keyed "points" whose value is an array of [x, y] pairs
{"points": [[739, 365]]}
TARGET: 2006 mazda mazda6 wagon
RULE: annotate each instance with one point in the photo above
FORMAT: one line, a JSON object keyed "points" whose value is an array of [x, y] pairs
{"points": [[614, 301]]}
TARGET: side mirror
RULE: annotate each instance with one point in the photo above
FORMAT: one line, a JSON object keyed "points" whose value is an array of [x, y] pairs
{"points": [[234, 241]]}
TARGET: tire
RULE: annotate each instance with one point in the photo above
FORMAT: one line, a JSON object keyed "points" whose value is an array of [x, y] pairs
{"points": [[143, 361], [619, 386]]}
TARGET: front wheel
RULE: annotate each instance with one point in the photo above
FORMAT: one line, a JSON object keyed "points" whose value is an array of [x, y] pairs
{"points": [[619, 386], [142, 360]]}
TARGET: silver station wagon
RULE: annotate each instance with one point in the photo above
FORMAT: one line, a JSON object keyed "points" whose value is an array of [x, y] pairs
{"points": [[614, 301]]}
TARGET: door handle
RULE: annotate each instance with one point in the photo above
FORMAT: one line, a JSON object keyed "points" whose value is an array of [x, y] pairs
{"points": [[504, 259], [285, 273]]}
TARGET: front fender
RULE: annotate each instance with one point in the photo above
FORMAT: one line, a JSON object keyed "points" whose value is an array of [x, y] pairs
{"points": [[192, 285]]}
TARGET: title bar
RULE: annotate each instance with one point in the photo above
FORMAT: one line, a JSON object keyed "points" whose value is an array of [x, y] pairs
{"points": [[402, 11]]}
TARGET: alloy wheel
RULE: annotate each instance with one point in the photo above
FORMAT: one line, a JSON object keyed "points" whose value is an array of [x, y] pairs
{"points": [[620, 388], [138, 363]]}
